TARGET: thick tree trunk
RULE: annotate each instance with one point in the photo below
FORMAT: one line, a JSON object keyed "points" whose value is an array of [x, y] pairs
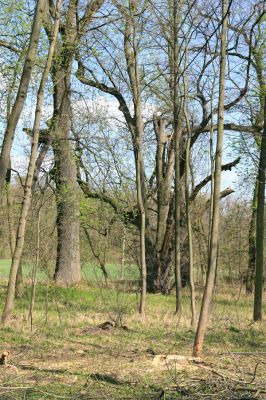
{"points": [[252, 243], [162, 263], [22, 92], [257, 313], [208, 291], [29, 179], [161, 266], [165, 267], [67, 271]]}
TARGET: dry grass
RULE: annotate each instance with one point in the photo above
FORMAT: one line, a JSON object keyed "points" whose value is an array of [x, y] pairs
{"points": [[68, 355]]}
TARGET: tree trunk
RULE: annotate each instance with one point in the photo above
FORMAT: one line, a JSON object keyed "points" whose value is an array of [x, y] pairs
{"points": [[164, 279], [162, 263], [212, 161], [131, 54], [189, 227], [123, 258], [29, 179], [252, 243], [208, 291], [67, 270], [35, 267], [177, 133], [22, 92], [19, 289], [141, 205], [257, 313]]}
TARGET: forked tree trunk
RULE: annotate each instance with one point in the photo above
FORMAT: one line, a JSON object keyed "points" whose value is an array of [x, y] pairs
{"points": [[29, 179], [22, 92], [208, 291], [257, 313]]}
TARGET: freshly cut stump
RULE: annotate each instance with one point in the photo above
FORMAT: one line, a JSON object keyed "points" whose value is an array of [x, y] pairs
{"points": [[173, 360]]}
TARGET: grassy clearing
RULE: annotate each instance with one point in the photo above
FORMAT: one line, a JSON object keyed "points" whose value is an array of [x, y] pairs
{"points": [[90, 271], [68, 355]]}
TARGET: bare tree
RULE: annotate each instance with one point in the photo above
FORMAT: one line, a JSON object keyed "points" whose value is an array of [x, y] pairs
{"points": [[207, 296], [189, 225], [131, 54], [22, 91], [157, 84], [29, 179], [134, 123]]}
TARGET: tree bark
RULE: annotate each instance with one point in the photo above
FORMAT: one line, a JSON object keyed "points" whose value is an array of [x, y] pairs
{"points": [[22, 92], [252, 243], [208, 291], [67, 270], [258, 292], [189, 227], [29, 179], [165, 163]]}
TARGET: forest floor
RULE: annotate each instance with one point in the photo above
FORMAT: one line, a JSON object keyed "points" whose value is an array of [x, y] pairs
{"points": [[67, 355]]}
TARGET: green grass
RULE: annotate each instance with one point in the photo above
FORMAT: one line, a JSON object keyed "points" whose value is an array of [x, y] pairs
{"points": [[93, 272], [27, 270], [90, 271]]}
